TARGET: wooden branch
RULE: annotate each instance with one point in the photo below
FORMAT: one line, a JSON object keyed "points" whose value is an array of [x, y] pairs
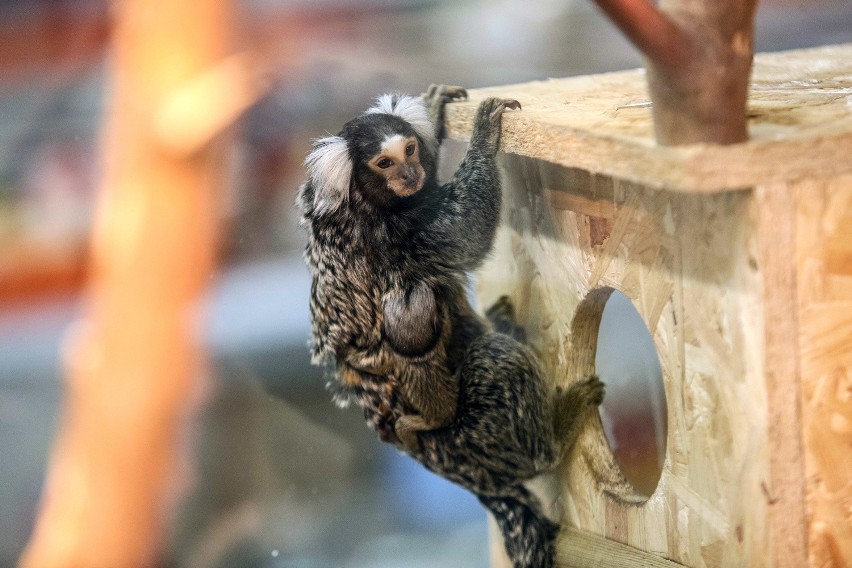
{"points": [[134, 360], [601, 129], [699, 56], [650, 30]]}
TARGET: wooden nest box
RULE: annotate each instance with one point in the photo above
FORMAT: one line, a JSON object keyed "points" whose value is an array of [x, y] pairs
{"points": [[739, 260]]}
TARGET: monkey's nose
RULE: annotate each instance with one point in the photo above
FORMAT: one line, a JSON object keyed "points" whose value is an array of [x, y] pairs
{"points": [[409, 175], [411, 178]]}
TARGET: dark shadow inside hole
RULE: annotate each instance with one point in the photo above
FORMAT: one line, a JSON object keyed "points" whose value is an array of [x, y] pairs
{"points": [[634, 410]]}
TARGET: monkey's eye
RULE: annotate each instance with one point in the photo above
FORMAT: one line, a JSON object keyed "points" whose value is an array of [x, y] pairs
{"points": [[409, 150], [384, 163]]}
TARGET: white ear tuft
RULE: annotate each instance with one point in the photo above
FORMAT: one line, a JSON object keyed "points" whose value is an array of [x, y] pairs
{"points": [[330, 171], [410, 109]]}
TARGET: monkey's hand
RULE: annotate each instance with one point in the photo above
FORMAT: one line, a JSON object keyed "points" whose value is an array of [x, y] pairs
{"points": [[487, 124], [444, 93], [436, 96]]}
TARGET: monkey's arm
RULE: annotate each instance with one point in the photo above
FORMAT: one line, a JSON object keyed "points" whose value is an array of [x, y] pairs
{"points": [[464, 218]]}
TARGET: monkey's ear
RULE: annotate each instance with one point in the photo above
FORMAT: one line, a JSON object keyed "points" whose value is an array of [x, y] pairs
{"points": [[330, 172], [410, 109]]}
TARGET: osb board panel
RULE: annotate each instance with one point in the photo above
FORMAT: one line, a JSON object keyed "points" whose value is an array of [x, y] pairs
{"points": [[800, 125], [690, 265], [824, 260], [578, 549], [774, 216]]}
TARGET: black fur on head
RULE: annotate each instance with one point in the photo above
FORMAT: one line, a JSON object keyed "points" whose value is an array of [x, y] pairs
{"points": [[338, 166], [365, 136]]}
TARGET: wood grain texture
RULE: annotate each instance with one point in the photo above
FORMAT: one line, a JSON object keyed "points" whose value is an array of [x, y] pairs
{"points": [[739, 260], [578, 549], [688, 262], [823, 253], [775, 214], [799, 123]]}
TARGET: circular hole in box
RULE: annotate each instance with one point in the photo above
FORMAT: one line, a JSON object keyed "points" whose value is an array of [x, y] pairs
{"points": [[634, 412]]}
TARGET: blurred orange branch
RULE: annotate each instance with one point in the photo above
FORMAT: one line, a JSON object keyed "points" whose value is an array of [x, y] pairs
{"points": [[199, 110], [133, 364]]}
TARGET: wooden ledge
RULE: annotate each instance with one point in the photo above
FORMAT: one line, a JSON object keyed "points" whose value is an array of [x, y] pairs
{"points": [[580, 549], [800, 121]]}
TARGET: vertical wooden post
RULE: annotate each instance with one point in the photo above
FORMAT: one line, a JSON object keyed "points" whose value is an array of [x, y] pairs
{"points": [[134, 360]]}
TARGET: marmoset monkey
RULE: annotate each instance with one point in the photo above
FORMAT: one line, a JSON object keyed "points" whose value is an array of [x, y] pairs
{"points": [[389, 249]]}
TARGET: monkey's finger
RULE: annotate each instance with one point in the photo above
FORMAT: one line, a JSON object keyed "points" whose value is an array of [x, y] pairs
{"points": [[453, 93]]}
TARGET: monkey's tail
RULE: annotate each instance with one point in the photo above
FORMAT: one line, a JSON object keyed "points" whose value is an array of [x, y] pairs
{"points": [[528, 535]]}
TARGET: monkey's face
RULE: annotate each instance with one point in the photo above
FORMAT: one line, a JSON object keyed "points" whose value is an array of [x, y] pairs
{"points": [[398, 162]]}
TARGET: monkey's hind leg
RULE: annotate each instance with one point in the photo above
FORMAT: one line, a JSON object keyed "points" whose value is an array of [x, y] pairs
{"points": [[502, 436], [502, 317], [502, 433]]}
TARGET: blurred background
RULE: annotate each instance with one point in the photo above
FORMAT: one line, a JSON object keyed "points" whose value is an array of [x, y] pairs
{"points": [[282, 478]]}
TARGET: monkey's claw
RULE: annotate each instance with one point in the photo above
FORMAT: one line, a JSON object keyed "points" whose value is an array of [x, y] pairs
{"points": [[501, 105], [512, 104], [492, 108]]}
